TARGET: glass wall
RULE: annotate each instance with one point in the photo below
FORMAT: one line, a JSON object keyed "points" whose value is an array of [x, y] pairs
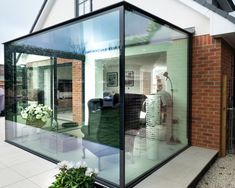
{"points": [[63, 97], [62, 91], [155, 93]]}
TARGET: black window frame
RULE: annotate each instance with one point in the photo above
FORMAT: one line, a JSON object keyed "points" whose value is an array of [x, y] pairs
{"points": [[82, 3]]}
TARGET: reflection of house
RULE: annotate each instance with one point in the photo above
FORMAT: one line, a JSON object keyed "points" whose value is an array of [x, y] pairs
{"points": [[85, 52]]}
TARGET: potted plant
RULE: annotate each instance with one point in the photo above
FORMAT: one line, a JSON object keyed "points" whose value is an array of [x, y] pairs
{"points": [[36, 114], [74, 175]]}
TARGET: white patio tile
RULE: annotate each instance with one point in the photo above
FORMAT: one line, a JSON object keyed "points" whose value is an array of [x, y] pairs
{"points": [[23, 184], [2, 165], [9, 176], [44, 180], [7, 149], [16, 158], [33, 167]]}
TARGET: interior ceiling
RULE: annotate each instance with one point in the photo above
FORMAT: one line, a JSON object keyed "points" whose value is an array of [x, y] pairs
{"points": [[150, 59]]}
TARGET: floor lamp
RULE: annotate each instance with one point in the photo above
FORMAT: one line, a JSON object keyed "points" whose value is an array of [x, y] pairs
{"points": [[172, 139]]}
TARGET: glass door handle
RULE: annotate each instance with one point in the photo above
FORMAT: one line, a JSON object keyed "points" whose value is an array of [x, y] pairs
{"points": [[230, 108]]}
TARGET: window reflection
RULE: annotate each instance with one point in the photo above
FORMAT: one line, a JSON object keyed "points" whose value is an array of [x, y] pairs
{"points": [[75, 71]]}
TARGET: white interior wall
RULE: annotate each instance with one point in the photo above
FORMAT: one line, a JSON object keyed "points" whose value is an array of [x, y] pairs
{"points": [[115, 68], [136, 87], [47, 87], [176, 66]]}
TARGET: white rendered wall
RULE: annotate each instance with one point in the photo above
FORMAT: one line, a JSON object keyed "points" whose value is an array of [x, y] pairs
{"points": [[171, 10], [183, 13], [98, 4], [62, 10]]}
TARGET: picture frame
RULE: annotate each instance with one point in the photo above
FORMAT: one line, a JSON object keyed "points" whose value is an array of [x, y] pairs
{"points": [[112, 79], [129, 79]]}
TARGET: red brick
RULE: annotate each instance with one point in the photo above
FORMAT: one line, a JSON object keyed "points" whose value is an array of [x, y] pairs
{"points": [[212, 58]]}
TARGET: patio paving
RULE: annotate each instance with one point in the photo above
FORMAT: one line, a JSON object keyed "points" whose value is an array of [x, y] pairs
{"points": [[21, 169]]}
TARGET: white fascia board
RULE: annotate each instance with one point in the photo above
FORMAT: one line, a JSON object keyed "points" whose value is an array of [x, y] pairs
{"points": [[220, 25], [43, 17]]}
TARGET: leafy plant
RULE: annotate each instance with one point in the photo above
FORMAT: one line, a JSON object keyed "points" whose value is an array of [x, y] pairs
{"points": [[74, 176]]}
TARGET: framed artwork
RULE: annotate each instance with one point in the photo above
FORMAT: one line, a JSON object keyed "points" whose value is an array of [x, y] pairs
{"points": [[112, 79], [129, 78]]}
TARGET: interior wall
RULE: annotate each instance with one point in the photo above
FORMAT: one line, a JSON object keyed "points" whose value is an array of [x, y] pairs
{"points": [[131, 89], [176, 60], [177, 68]]}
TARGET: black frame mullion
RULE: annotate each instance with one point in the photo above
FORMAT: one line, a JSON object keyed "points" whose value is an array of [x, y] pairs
{"points": [[14, 58], [189, 92], [122, 94], [83, 91], [91, 5], [54, 98]]}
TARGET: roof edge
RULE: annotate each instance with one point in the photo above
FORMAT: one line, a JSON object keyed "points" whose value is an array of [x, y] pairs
{"points": [[216, 10], [38, 16], [105, 9]]}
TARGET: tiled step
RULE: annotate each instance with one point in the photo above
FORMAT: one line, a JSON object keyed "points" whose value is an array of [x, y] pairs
{"points": [[183, 171]]}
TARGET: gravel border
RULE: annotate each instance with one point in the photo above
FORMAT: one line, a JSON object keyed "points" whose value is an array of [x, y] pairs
{"points": [[220, 175]]}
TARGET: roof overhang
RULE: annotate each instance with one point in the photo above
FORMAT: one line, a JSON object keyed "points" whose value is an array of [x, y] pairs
{"points": [[226, 5]]}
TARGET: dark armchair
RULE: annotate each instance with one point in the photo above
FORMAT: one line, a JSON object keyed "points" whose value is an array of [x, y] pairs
{"points": [[102, 133]]}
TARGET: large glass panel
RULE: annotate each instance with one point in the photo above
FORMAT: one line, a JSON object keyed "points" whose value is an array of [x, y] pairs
{"points": [[74, 70], [155, 93]]}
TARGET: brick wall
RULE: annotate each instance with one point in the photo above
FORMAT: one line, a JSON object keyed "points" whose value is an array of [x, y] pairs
{"points": [[77, 91], [227, 65], [76, 88], [2, 83], [206, 92]]}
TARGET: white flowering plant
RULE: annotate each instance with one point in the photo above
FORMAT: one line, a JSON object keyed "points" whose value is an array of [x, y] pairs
{"points": [[75, 175], [36, 112]]}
